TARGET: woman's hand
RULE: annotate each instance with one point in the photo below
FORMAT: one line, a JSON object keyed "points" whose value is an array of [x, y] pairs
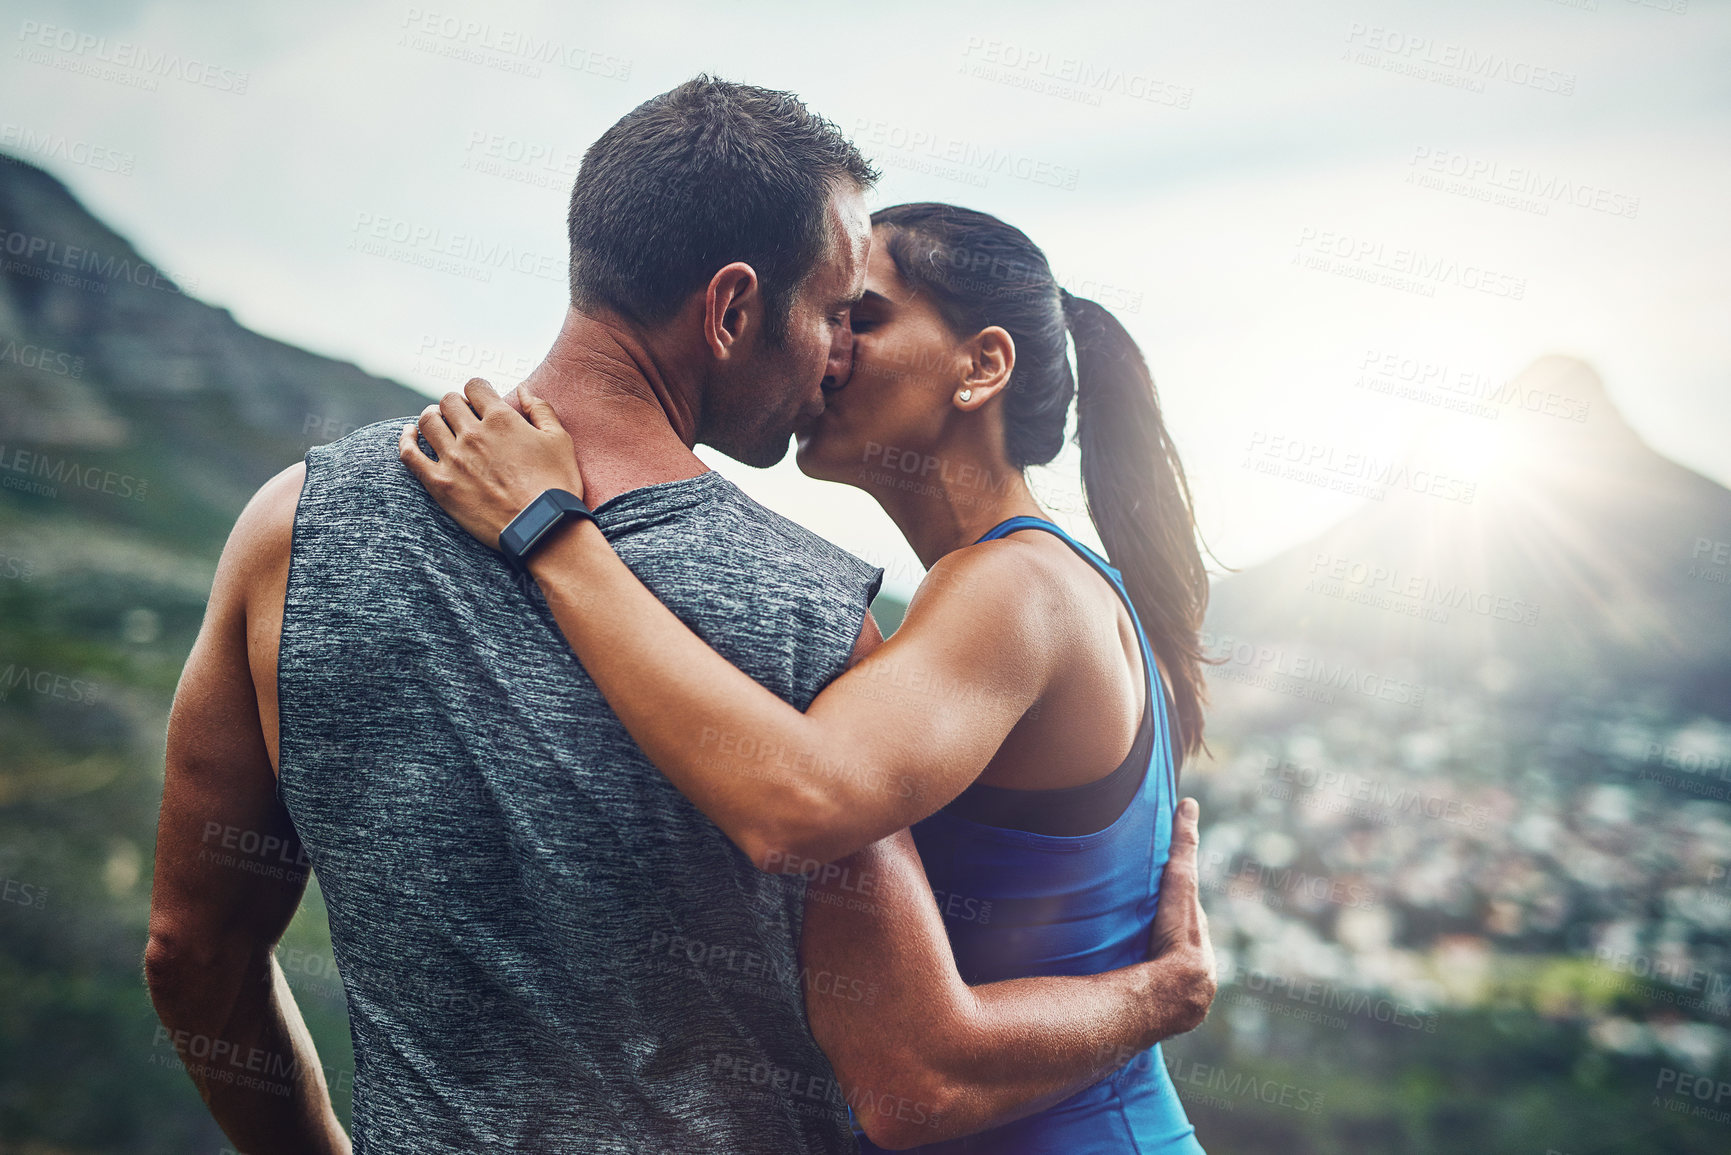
{"points": [[1179, 943], [493, 461]]}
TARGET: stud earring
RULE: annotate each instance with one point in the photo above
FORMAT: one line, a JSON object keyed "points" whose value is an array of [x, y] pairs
{"points": [[965, 395]]}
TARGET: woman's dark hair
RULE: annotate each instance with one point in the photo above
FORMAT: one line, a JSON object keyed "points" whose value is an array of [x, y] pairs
{"points": [[979, 272]]}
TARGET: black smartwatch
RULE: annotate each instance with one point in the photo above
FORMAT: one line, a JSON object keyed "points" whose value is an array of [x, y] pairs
{"points": [[537, 522]]}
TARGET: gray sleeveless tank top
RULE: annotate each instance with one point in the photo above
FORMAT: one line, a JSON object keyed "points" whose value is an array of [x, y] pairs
{"points": [[544, 946]]}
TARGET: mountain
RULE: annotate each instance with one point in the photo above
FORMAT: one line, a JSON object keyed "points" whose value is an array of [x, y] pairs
{"points": [[1571, 555], [130, 401]]}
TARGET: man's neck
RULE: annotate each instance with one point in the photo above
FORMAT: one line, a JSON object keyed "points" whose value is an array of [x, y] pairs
{"points": [[631, 417]]}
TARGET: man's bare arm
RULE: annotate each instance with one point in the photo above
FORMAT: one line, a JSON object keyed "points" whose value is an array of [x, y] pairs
{"points": [[230, 870], [923, 1057]]}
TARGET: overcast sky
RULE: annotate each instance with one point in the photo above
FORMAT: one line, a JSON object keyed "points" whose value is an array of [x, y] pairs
{"points": [[1544, 176]]}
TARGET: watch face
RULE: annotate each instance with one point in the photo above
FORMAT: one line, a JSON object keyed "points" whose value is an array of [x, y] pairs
{"points": [[535, 521], [527, 528]]}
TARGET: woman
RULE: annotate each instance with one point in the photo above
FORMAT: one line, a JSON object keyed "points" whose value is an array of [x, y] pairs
{"points": [[1018, 720]]}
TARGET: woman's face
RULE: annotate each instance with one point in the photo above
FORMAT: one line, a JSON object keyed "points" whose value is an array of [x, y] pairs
{"points": [[893, 406]]}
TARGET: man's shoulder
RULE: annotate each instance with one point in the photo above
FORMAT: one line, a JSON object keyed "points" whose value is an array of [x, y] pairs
{"points": [[377, 440], [715, 521], [785, 531], [263, 534]]}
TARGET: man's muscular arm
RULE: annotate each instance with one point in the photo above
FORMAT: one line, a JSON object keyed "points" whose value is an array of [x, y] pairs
{"points": [[214, 922]]}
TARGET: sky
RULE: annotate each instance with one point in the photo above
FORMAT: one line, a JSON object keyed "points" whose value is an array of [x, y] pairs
{"points": [[1278, 199]]}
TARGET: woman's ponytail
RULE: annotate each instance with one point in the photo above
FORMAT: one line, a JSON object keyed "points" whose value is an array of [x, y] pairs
{"points": [[1140, 502]]}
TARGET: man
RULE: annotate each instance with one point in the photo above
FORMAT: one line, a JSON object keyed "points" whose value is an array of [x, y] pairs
{"points": [[543, 945]]}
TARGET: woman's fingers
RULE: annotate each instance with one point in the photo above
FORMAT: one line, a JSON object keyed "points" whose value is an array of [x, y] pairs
{"points": [[458, 415], [483, 398], [436, 431], [409, 452], [1178, 918], [539, 413], [1181, 867]]}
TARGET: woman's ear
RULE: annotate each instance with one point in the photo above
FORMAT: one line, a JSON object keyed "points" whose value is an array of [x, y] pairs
{"points": [[991, 357]]}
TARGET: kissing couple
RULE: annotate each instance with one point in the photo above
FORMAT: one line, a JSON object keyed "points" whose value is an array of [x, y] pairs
{"points": [[634, 832]]}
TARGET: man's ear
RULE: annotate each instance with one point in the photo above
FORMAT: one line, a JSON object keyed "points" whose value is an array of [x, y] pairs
{"points": [[991, 357], [732, 308]]}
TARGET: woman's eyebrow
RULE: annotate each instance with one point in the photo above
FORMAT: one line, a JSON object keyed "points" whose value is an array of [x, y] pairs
{"points": [[870, 297]]}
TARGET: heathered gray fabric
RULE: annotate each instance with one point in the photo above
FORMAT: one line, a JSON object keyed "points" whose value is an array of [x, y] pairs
{"points": [[545, 947]]}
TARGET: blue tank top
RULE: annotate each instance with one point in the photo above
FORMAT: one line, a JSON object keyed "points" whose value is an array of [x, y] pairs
{"points": [[1018, 904]]}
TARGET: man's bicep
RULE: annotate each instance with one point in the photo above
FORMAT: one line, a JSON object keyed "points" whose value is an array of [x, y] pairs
{"points": [[228, 861], [881, 981]]}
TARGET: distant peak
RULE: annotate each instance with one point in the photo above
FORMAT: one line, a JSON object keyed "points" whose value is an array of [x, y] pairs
{"points": [[1563, 396]]}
